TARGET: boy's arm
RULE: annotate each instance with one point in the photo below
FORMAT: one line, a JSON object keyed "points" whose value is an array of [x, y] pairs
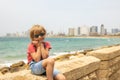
{"points": [[36, 55]]}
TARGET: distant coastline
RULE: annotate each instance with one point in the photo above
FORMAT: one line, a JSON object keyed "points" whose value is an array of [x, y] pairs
{"points": [[106, 36]]}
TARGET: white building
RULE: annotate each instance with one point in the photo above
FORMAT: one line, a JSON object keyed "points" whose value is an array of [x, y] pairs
{"points": [[84, 30], [71, 31], [76, 32]]}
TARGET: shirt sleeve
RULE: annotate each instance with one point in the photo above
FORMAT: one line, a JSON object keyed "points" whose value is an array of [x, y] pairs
{"points": [[47, 44], [31, 48]]}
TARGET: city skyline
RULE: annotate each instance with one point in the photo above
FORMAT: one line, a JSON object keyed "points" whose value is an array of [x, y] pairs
{"points": [[79, 31], [57, 16]]}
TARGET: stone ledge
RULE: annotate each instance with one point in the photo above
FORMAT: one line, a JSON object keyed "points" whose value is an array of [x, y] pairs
{"points": [[109, 63], [72, 69], [106, 53], [79, 67]]}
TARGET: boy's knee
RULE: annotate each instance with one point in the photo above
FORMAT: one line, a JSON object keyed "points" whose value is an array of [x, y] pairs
{"points": [[51, 60]]}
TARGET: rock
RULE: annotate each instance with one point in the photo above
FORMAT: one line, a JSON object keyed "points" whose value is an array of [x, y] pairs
{"points": [[62, 57], [87, 50], [4, 70], [14, 67], [72, 57], [17, 66]]}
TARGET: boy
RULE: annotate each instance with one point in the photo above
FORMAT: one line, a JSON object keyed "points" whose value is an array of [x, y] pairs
{"points": [[38, 53]]}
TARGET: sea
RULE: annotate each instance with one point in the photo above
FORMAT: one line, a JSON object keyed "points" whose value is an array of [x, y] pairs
{"points": [[14, 49]]}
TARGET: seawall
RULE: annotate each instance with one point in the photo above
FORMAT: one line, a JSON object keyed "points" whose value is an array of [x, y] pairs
{"points": [[99, 64]]}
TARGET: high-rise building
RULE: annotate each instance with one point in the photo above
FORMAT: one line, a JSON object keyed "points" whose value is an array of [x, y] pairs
{"points": [[94, 30], [71, 31], [115, 30], [105, 31], [84, 31], [75, 31], [102, 30], [78, 30]]}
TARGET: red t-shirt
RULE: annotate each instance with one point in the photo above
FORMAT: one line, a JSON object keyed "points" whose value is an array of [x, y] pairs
{"points": [[32, 49]]}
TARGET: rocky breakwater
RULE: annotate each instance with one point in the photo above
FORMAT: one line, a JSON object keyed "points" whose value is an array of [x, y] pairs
{"points": [[74, 66], [94, 64], [98, 64], [110, 62]]}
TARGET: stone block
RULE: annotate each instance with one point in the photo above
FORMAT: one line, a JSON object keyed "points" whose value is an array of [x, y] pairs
{"points": [[93, 76], [102, 73], [85, 78], [104, 64], [106, 53], [115, 76], [114, 61], [103, 78], [79, 67]]}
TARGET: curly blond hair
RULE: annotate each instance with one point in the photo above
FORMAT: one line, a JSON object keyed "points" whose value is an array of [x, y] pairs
{"points": [[36, 29]]}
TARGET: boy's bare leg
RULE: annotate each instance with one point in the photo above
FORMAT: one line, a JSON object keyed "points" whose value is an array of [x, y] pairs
{"points": [[48, 64]]}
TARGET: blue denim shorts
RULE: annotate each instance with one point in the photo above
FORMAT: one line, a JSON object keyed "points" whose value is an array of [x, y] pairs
{"points": [[37, 68]]}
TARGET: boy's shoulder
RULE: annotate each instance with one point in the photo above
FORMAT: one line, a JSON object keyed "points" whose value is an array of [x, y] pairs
{"points": [[30, 44], [47, 44]]}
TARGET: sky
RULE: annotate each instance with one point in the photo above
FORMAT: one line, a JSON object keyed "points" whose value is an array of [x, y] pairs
{"points": [[57, 15]]}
